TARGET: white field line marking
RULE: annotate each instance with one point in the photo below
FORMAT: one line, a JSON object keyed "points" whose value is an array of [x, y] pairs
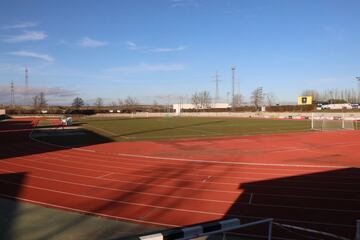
{"points": [[172, 178], [251, 198], [102, 130], [190, 188], [153, 206], [188, 128], [106, 131], [105, 175], [207, 161]]}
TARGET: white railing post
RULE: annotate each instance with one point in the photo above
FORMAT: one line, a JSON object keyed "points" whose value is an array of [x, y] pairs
{"points": [[270, 230], [312, 121]]}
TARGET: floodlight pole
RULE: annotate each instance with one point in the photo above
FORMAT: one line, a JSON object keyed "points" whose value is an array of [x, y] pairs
{"points": [[233, 69], [358, 93]]}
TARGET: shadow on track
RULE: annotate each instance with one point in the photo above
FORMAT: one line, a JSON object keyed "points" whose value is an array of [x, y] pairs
{"points": [[9, 209], [324, 201], [15, 138]]}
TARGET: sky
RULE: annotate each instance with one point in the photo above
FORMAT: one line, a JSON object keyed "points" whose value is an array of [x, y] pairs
{"points": [[161, 50]]}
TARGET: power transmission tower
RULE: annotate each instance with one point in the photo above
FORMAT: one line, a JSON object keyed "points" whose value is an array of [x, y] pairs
{"points": [[217, 80], [233, 69], [12, 95]]}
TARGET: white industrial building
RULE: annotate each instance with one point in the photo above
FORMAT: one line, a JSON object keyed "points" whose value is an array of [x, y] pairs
{"points": [[179, 106]]}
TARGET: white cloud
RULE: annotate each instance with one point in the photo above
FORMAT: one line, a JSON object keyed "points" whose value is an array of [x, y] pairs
{"points": [[91, 43], [20, 25], [184, 3], [144, 67], [26, 36], [51, 93], [131, 45], [177, 49], [33, 55]]}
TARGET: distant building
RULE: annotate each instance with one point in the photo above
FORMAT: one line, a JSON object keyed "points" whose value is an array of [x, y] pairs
{"points": [[2, 112], [178, 107]]}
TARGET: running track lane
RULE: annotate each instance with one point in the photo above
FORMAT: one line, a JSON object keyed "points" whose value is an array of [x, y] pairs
{"points": [[174, 192]]}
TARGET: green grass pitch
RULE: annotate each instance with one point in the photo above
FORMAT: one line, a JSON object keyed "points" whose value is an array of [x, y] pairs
{"points": [[182, 127]]}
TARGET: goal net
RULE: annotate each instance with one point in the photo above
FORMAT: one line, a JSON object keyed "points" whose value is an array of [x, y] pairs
{"points": [[332, 123]]}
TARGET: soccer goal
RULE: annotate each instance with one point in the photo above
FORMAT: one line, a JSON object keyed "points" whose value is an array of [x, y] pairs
{"points": [[332, 123]]}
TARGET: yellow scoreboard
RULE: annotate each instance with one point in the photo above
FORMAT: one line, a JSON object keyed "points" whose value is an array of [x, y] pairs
{"points": [[305, 100]]}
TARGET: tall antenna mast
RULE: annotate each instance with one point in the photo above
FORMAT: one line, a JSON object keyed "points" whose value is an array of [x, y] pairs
{"points": [[26, 85], [12, 95], [217, 80], [233, 69]]}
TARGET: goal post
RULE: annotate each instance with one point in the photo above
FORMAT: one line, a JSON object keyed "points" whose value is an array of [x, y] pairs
{"points": [[322, 122]]}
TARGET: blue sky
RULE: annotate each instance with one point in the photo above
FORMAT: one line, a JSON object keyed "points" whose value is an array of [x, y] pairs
{"points": [[162, 49]]}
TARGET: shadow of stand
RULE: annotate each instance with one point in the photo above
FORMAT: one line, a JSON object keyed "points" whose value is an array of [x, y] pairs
{"points": [[325, 201], [10, 185]]}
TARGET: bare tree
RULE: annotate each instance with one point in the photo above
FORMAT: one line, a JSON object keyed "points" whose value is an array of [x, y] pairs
{"points": [[78, 102], [99, 102], [36, 101], [270, 98], [131, 101], [120, 102], [205, 99], [39, 101], [195, 99], [257, 97], [201, 99]]}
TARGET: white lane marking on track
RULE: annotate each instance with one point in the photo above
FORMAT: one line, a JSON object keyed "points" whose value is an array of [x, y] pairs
{"points": [[155, 194], [204, 161], [206, 179], [168, 186], [174, 209], [105, 175], [234, 163]]}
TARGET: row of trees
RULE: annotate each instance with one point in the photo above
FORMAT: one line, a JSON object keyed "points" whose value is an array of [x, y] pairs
{"points": [[333, 95], [203, 100], [129, 102]]}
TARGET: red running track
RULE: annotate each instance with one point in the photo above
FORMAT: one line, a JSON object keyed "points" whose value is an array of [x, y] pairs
{"points": [[310, 180]]}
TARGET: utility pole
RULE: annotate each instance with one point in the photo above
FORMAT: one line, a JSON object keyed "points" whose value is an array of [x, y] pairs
{"points": [[217, 80], [233, 69], [12, 95]]}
